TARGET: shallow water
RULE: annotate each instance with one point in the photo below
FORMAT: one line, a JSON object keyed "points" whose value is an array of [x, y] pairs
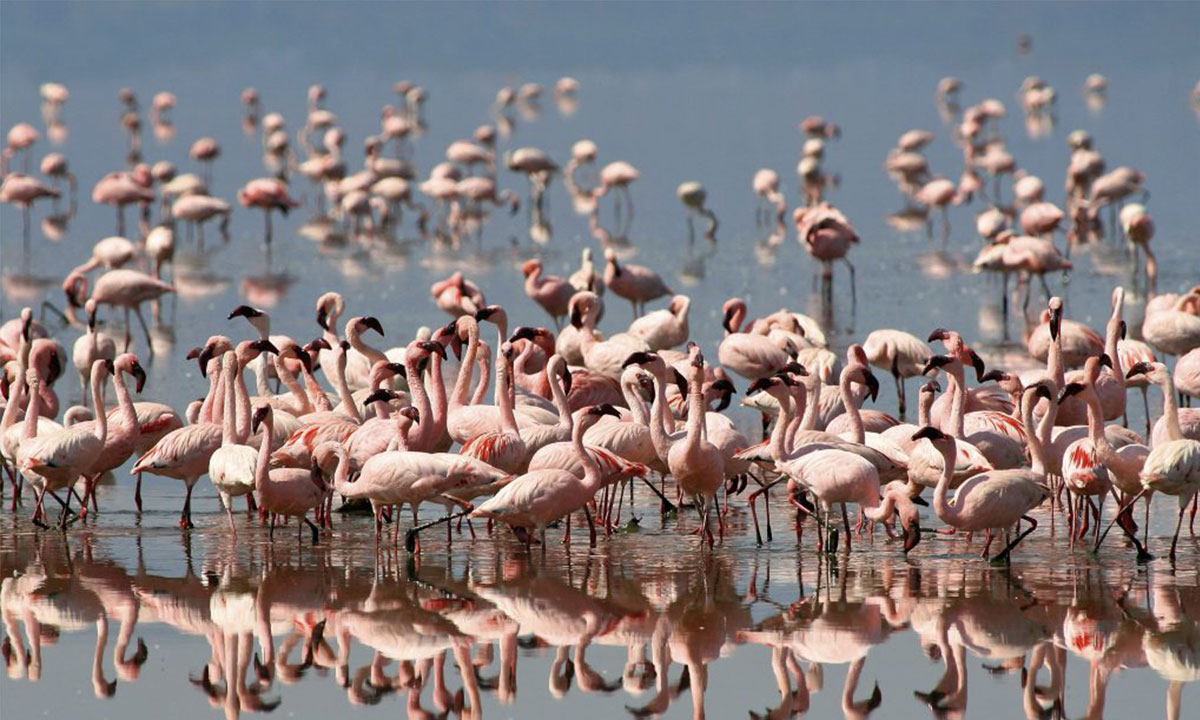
{"points": [[710, 93]]}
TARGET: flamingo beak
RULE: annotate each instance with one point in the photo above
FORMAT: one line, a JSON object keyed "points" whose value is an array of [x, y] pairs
{"points": [[872, 385], [139, 375], [977, 362], [323, 318], [380, 395], [912, 535], [1055, 323], [576, 317], [928, 432], [1069, 390], [938, 334], [1140, 368], [411, 413], [373, 323], [567, 378], [727, 321]]}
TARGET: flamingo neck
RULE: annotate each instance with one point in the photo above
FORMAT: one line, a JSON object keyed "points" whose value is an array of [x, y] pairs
{"points": [[264, 455], [466, 368], [780, 432], [383, 410], [242, 398], [958, 399], [416, 389], [438, 393], [485, 374], [403, 428], [259, 368], [229, 433], [317, 399], [799, 410], [696, 429], [343, 390], [31, 412], [856, 425], [1054, 362], [1033, 432], [354, 337], [592, 479], [504, 396], [941, 504], [288, 378], [125, 402], [559, 397], [735, 323], [637, 407], [924, 409], [101, 430], [341, 476], [812, 403], [658, 409], [1171, 409], [210, 400], [15, 397]]}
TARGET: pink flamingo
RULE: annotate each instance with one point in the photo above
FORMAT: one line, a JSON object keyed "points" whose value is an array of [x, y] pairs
{"points": [[552, 292], [605, 356], [902, 354], [269, 194], [231, 467], [749, 354], [22, 191], [199, 209], [537, 498], [120, 288], [1187, 374], [1175, 330], [123, 427], [290, 492], [696, 464], [504, 449], [664, 329], [993, 500], [1187, 419], [457, 295], [827, 236], [59, 459], [618, 176], [125, 188], [636, 283]]}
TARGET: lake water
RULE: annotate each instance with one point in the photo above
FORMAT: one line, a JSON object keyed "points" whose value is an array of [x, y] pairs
{"points": [[709, 93]]}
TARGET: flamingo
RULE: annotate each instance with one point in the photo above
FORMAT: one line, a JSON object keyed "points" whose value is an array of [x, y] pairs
{"points": [[902, 354], [993, 500], [504, 449], [290, 492], [90, 347], [231, 466], [124, 430], [457, 295], [537, 498], [553, 293], [268, 194], [827, 235], [122, 288], [60, 458], [664, 329], [696, 464], [603, 356], [23, 190], [750, 355], [636, 283]]}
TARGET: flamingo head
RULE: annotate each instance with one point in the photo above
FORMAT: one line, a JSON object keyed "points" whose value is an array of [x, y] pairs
{"points": [[380, 395], [1056, 309], [931, 387], [1071, 389], [128, 363], [936, 362], [262, 414]]}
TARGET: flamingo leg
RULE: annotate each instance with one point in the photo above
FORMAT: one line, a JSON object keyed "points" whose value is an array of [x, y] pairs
{"points": [[1004, 554]]}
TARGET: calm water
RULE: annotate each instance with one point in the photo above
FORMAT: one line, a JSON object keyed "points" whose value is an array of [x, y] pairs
{"points": [[707, 93]]}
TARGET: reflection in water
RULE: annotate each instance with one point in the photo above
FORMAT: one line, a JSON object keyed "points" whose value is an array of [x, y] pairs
{"points": [[371, 625]]}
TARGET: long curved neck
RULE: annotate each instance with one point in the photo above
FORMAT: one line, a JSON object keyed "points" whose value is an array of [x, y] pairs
{"points": [[735, 323], [242, 397], [485, 375], [343, 390], [559, 397], [288, 378], [534, 281], [780, 432], [941, 504], [383, 410], [31, 412], [958, 399], [856, 425], [696, 428], [317, 399], [1033, 437], [341, 475], [658, 429], [1111, 348], [264, 455], [229, 433], [462, 384], [101, 430], [504, 397], [812, 403], [1104, 450], [633, 399], [354, 337], [16, 396], [799, 410], [924, 409], [125, 402], [210, 400], [416, 389], [1171, 409], [259, 368], [437, 393], [1054, 362], [592, 479]]}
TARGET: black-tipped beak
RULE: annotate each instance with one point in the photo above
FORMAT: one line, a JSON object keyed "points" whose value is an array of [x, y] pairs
{"points": [[380, 395], [928, 433], [485, 313], [797, 369], [265, 346], [372, 323], [1055, 323], [398, 369], [933, 386], [934, 363], [1122, 328], [576, 318], [1043, 391], [108, 365], [723, 403], [56, 369], [912, 535], [1106, 361], [319, 344], [244, 311], [606, 409], [203, 358], [304, 358], [760, 385], [434, 348], [323, 318], [1140, 368], [728, 320], [938, 334], [260, 414], [918, 500], [344, 345], [872, 385], [523, 333], [977, 362], [567, 379], [139, 376], [680, 381], [1069, 390], [411, 413], [996, 375], [725, 385], [637, 358]]}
